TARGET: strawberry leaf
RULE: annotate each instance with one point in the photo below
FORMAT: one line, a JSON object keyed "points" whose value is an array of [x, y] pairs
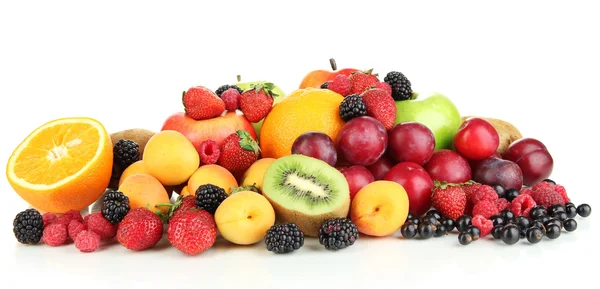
{"points": [[267, 87], [247, 142]]}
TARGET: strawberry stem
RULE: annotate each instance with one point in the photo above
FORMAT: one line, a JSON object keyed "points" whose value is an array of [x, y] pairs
{"points": [[247, 142], [267, 87], [333, 64]]}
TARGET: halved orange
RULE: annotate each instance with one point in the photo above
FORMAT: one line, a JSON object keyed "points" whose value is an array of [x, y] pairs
{"points": [[63, 165]]}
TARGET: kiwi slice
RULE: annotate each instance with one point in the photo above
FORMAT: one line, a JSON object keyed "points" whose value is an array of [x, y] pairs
{"points": [[306, 191]]}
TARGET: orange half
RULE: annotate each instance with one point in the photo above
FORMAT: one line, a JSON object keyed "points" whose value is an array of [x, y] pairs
{"points": [[63, 165]]}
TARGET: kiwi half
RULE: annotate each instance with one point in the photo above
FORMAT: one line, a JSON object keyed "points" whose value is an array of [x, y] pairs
{"points": [[306, 191]]}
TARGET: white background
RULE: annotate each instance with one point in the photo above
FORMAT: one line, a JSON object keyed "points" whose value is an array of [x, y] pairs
{"points": [[126, 63]]}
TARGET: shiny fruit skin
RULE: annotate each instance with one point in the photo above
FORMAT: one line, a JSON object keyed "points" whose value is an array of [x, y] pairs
{"points": [[170, 157], [476, 139], [411, 142], [381, 167], [498, 171], [255, 174], [362, 141], [315, 78], [448, 166], [417, 183], [357, 177], [533, 158], [317, 145], [216, 129]]}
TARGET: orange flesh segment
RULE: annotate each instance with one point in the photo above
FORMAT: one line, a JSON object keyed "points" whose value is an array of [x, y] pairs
{"points": [[57, 152]]}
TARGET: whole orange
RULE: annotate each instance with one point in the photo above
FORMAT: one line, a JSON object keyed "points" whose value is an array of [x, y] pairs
{"points": [[302, 111]]}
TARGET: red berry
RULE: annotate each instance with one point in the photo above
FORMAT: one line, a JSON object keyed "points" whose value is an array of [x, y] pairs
{"points": [[502, 204], [522, 204], [185, 204], [231, 97], [192, 232], [485, 208], [526, 192], [562, 192], [99, 225], [450, 201], [74, 228], [141, 229], [85, 219], [49, 218], [361, 81], [476, 139], [542, 185], [484, 192], [484, 224], [201, 103], [257, 101], [547, 197], [55, 234], [381, 106], [209, 152], [385, 86], [340, 84], [87, 241]]}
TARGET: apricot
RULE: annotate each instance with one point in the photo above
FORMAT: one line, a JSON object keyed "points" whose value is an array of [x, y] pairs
{"points": [[212, 174], [144, 190], [244, 218], [170, 157], [184, 191], [379, 208], [256, 172], [140, 168]]}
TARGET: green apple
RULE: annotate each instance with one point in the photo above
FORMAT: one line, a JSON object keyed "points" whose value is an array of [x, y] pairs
{"points": [[280, 95], [435, 111]]}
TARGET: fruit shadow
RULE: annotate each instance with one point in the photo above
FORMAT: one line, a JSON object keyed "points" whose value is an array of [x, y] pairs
{"points": [[223, 245]]}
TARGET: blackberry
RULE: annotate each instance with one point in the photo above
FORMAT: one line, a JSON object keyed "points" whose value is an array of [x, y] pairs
{"points": [[465, 238], [584, 210], [325, 85], [401, 87], [284, 238], [570, 225], [115, 206], [463, 222], [338, 233], [125, 153], [225, 87], [352, 106], [209, 197], [28, 226], [408, 230]]}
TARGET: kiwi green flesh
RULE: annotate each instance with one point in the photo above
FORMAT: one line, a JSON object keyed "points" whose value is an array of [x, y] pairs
{"points": [[306, 185]]}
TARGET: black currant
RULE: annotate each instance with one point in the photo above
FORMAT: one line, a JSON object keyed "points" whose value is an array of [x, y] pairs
{"points": [[497, 220], [440, 231], [523, 222], [499, 190], [584, 210], [463, 222], [571, 211], [554, 209], [408, 230], [474, 231], [507, 215], [537, 212], [511, 194], [426, 230], [534, 235], [552, 231], [435, 213], [465, 238], [497, 232], [510, 234], [549, 181], [448, 223], [570, 225]]}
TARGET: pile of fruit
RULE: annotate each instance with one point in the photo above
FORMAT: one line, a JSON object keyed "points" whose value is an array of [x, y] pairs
{"points": [[347, 153]]}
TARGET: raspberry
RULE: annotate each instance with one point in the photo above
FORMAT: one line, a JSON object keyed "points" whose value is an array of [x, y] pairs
{"points": [[209, 152], [484, 224], [101, 226], [562, 192], [87, 241], [74, 228], [485, 208], [502, 204], [55, 234], [85, 219], [547, 197], [231, 97], [340, 84], [385, 86], [522, 204], [484, 193], [49, 218], [542, 185], [66, 218], [526, 192]]}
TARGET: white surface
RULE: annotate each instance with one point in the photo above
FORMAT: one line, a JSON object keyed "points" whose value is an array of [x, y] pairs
{"points": [[127, 63]]}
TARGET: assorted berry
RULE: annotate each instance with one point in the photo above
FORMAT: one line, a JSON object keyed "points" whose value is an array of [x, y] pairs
{"points": [[284, 238], [28, 226], [115, 206], [338, 233], [209, 197], [352, 106]]}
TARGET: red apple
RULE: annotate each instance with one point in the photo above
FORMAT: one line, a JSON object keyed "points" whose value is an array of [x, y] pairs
{"points": [[317, 77], [357, 177], [417, 183], [216, 129]]}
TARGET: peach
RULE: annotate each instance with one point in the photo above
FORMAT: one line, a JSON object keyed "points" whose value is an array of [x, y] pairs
{"points": [[244, 218], [144, 190], [211, 174], [256, 172], [379, 208], [170, 157], [140, 168]]}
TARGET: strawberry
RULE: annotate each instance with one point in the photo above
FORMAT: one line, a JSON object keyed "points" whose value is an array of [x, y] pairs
{"points": [[380, 105], [362, 80], [385, 86], [141, 229], [192, 232], [238, 152], [450, 200], [257, 101], [201, 103]]}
